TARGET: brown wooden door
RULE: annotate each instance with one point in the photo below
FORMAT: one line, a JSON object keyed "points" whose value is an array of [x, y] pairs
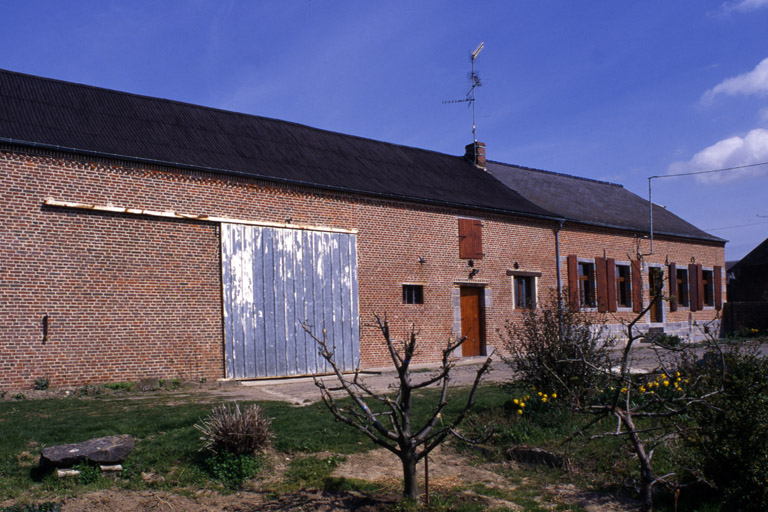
{"points": [[472, 324]]}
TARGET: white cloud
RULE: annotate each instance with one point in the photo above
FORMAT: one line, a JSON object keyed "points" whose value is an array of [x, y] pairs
{"points": [[743, 5], [752, 82], [730, 152]]}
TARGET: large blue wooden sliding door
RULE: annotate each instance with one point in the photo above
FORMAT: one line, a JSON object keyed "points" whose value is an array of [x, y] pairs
{"points": [[273, 281]]}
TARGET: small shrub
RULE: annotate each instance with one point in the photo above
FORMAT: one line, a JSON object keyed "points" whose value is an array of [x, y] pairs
{"points": [[120, 386], [232, 430], [558, 351], [89, 473], [19, 396], [668, 340], [729, 448], [233, 469], [41, 383]]}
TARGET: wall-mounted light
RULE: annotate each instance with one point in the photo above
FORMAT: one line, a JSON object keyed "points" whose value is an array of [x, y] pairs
{"points": [[471, 263], [474, 272], [693, 259], [421, 260], [516, 265]]}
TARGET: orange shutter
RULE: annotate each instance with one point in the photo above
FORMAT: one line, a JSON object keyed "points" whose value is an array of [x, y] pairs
{"points": [[470, 239], [673, 298], [693, 290], [717, 271]]}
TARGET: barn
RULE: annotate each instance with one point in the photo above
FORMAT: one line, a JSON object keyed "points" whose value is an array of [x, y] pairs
{"points": [[144, 237]]}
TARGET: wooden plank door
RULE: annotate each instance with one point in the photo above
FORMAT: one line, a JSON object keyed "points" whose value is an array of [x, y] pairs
{"points": [[273, 281], [472, 321]]}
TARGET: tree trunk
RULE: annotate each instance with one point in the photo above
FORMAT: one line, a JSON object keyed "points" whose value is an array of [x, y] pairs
{"points": [[410, 483]]}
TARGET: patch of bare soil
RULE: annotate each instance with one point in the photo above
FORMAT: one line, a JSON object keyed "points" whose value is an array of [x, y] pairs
{"points": [[447, 469]]}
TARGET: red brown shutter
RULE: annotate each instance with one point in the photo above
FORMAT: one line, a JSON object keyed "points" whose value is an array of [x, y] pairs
{"points": [[718, 278], [573, 282], [637, 287], [693, 294], [673, 298], [470, 239], [610, 275], [602, 285], [699, 287]]}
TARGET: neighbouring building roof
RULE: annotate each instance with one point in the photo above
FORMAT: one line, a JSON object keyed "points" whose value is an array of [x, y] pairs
{"points": [[593, 202], [756, 257], [73, 117]]}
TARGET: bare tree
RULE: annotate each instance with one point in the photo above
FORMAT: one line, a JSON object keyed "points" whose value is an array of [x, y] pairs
{"points": [[650, 407], [387, 420]]}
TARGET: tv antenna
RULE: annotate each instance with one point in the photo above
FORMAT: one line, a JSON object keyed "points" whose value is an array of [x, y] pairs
{"points": [[474, 80]]}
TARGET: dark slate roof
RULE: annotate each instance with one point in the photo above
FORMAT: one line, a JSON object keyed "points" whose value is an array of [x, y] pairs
{"points": [[756, 257], [80, 118], [593, 202]]}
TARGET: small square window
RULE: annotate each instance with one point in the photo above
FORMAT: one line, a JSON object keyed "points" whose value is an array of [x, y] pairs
{"points": [[623, 287], [708, 284], [586, 278], [413, 294], [525, 292]]}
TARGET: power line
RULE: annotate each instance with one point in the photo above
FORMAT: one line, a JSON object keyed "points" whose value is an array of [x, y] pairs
{"points": [[739, 226], [709, 171]]}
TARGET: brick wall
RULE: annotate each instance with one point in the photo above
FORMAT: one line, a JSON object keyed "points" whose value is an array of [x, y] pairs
{"points": [[129, 296]]}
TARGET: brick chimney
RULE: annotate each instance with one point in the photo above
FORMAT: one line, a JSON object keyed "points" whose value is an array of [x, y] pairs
{"points": [[475, 153]]}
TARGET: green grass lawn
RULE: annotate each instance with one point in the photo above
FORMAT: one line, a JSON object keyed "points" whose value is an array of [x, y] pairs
{"points": [[168, 445]]}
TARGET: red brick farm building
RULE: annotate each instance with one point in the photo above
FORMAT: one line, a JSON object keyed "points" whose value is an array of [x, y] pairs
{"points": [[145, 237]]}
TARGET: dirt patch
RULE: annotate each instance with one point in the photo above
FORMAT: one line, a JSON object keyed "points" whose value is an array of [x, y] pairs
{"points": [[447, 469]]}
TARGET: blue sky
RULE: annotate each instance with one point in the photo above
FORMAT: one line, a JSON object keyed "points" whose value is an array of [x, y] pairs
{"points": [[609, 90]]}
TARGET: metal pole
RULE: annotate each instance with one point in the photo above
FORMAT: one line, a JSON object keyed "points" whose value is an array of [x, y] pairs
{"points": [[650, 210]]}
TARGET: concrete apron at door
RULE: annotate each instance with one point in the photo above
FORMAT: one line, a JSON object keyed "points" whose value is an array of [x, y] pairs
{"points": [[273, 281]]}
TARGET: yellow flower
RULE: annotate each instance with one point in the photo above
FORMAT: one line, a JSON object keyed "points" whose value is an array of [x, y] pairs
{"points": [[623, 390], [554, 395], [515, 401], [522, 404], [677, 374], [519, 411], [642, 389], [544, 399], [663, 375], [539, 393], [666, 383]]}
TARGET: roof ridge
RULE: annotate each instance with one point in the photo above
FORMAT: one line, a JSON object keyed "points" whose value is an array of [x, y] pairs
{"points": [[582, 178], [221, 110]]}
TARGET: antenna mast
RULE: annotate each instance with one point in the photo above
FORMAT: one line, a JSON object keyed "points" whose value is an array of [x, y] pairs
{"points": [[475, 78], [474, 84]]}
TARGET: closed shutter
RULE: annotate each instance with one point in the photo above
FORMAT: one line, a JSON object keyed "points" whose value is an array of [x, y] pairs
{"points": [[717, 271], [470, 239], [637, 287], [602, 285], [673, 289], [573, 282], [699, 287], [610, 274], [693, 288]]}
